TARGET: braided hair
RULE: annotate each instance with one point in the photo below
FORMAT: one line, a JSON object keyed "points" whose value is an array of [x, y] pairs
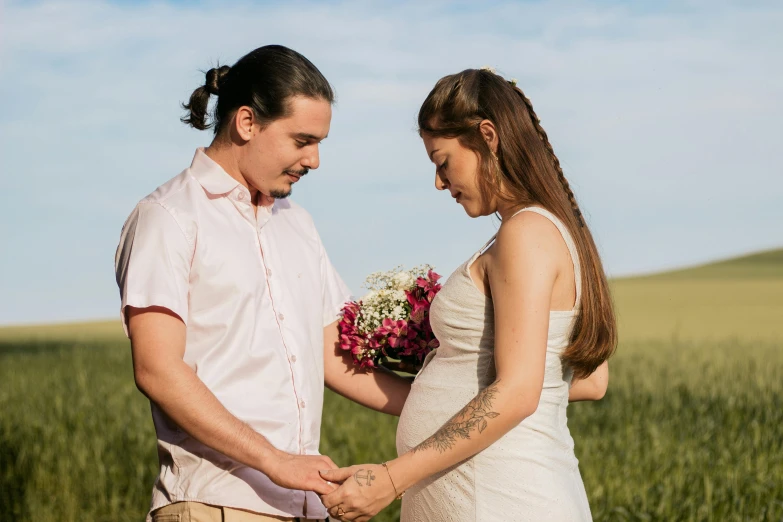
{"points": [[545, 139]]}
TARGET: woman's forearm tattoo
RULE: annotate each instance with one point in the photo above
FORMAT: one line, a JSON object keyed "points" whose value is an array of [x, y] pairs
{"points": [[473, 416]]}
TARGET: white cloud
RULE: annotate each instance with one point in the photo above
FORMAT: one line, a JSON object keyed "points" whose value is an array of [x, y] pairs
{"points": [[666, 118]]}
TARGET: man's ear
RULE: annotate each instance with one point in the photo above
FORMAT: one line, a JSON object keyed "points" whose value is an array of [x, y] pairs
{"points": [[490, 134], [244, 123]]}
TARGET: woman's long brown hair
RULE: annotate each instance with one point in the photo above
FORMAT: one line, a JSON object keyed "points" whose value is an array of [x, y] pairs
{"points": [[529, 173]]}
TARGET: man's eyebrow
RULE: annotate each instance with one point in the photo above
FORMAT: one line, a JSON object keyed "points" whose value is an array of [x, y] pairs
{"points": [[433, 151], [305, 136]]}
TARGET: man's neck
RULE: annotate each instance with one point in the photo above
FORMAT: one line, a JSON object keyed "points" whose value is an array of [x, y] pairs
{"points": [[225, 156]]}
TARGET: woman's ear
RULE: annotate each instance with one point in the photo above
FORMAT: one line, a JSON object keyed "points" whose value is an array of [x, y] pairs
{"points": [[490, 134]]}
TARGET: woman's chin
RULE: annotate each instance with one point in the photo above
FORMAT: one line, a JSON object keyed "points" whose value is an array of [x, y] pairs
{"points": [[470, 211]]}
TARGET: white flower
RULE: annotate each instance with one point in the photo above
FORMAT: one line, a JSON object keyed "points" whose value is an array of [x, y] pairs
{"points": [[489, 69], [403, 281], [386, 296]]}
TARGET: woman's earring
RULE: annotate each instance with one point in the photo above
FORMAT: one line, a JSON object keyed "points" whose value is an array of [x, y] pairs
{"points": [[498, 173]]}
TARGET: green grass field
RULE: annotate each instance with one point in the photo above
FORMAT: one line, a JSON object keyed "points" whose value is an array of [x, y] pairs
{"points": [[691, 428]]}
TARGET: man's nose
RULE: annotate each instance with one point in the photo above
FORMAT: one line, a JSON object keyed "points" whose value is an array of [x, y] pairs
{"points": [[313, 159]]}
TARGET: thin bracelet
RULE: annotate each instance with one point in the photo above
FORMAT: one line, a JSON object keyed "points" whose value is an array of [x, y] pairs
{"points": [[399, 495]]}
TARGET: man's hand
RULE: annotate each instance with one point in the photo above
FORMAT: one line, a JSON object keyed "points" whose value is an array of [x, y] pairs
{"points": [[302, 472], [158, 345]]}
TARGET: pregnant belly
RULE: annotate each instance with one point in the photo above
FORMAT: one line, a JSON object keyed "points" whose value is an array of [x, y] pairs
{"points": [[433, 401], [429, 406]]}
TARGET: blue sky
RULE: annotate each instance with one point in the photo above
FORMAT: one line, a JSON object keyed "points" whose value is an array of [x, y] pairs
{"points": [[666, 117]]}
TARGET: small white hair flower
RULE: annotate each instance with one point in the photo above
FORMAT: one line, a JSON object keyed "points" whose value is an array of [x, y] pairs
{"points": [[489, 69], [513, 82]]}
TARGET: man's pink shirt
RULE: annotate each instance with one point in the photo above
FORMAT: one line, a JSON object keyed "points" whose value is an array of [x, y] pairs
{"points": [[255, 292]]}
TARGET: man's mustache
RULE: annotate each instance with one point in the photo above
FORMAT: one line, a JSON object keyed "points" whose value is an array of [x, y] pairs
{"points": [[302, 172]]}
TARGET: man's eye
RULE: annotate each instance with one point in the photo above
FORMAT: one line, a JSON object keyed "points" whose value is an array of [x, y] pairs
{"points": [[301, 144], [442, 166]]}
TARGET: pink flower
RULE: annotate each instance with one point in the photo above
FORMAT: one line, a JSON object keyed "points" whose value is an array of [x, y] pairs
{"points": [[396, 332], [430, 285]]}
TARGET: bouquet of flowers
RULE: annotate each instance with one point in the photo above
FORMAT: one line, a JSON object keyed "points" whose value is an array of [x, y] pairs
{"points": [[392, 320]]}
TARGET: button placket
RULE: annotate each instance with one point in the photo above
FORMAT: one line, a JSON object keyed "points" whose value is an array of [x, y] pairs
{"points": [[275, 300]]}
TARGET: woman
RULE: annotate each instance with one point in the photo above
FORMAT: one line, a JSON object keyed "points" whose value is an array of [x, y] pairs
{"points": [[483, 434]]}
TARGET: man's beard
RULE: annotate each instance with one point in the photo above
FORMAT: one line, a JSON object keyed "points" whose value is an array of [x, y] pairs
{"points": [[282, 194]]}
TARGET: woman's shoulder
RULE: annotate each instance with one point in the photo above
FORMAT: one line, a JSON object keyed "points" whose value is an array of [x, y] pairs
{"points": [[529, 226], [530, 233]]}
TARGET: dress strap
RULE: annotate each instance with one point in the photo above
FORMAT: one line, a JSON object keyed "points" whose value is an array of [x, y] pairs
{"points": [[569, 241], [486, 245]]}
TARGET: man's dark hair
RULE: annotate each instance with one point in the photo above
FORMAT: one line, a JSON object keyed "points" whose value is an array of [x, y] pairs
{"points": [[264, 80]]}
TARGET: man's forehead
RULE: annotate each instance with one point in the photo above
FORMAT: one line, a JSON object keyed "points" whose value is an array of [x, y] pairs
{"points": [[310, 118]]}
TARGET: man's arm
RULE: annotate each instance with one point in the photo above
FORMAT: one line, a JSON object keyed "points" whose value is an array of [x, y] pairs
{"points": [[380, 389], [158, 345]]}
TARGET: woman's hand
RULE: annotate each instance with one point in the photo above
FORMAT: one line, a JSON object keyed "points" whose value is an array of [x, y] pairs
{"points": [[592, 387], [366, 489]]}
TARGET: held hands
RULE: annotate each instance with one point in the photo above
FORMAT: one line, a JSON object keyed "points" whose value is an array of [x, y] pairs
{"points": [[301, 472], [365, 490]]}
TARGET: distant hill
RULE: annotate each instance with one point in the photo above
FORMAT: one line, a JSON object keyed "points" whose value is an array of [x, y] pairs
{"points": [[92, 330], [740, 297], [768, 264]]}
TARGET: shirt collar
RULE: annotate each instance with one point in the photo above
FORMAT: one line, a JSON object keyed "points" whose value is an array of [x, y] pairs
{"points": [[211, 176], [215, 180]]}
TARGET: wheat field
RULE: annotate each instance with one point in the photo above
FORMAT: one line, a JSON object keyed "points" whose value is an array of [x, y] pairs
{"points": [[691, 428]]}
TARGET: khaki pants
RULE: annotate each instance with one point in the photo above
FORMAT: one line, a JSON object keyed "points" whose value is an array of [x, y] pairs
{"points": [[197, 512]]}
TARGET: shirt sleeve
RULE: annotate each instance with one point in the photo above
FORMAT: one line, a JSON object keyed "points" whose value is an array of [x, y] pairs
{"points": [[152, 263], [334, 291]]}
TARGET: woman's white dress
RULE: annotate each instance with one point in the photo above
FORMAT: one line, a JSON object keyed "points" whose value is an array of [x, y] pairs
{"points": [[531, 473]]}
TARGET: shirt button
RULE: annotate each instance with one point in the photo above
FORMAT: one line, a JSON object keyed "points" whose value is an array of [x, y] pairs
{"points": [[302, 403], [269, 272], [293, 358], [241, 196], [281, 317]]}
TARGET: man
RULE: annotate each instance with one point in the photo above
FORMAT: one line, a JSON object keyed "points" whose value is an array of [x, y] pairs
{"points": [[231, 305]]}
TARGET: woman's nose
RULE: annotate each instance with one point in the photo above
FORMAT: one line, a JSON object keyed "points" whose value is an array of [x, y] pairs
{"points": [[440, 182]]}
